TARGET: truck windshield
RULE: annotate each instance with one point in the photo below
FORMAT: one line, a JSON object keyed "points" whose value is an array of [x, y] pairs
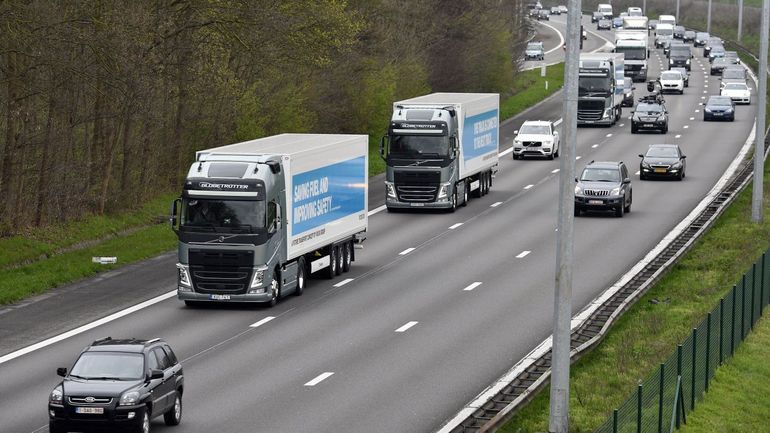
{"points": [[419, 146], [633, 53], [216, 215], [593, 86]]}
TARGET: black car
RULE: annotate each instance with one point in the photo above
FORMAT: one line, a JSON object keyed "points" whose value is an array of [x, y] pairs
{"points": [[118, 385], [650, 115], [628, 92], [718, 65], [679, 32], [662, 160], [700, 39], [604, 24], [543, 14], [604, 186], [717, 52], [596, 16], [719, 108], [689, 36], [685, 74]]}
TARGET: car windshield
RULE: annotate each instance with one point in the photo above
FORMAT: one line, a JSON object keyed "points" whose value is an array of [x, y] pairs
{"points": [[662, 152], [236, 216], [600, 175], [419, 146], [535, 129], [649, 108], [733, 73], [671, 75], [736, 86], [534, 46], [109, 366], [702, 36], [717, 50], [719, 102]]}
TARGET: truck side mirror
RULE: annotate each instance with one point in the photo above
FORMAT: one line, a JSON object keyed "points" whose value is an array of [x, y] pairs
{"points": [[454, 146], [173, 220], [383, 145]]}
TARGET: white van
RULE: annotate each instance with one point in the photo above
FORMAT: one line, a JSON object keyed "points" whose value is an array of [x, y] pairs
{"points": [[635, 12], [667, 19], [606, 10]]}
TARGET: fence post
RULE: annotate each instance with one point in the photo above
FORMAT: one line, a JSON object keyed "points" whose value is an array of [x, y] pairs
{"points": [[743, 306], [615, 421], [708, 349], [753, 289], [660, 400], [732, 326], [679, 360], [639, 409], [762, 287], [721, 328], [694, 362]]}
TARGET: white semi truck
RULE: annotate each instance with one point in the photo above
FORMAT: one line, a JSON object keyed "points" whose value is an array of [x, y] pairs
{"points": [[256, 218], [440, 148], [600, 88], [634, 46]]}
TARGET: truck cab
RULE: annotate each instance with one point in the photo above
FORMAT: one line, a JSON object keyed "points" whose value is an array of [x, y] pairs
{"points": [[605, 9]]}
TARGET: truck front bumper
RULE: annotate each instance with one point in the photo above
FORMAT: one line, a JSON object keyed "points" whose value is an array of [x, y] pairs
{"points": [[393, 203], [186, 295]]}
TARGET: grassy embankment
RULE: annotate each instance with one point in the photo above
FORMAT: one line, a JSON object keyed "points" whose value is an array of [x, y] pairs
{"points": [[34, 261]]}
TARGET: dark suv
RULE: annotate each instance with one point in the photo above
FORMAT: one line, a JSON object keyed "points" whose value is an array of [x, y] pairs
{"points": [[604, 186], [118, 385], [650, 114]]}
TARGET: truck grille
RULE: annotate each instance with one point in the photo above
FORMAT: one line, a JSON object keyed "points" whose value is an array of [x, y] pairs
{"points": [[417, 177], [420, 194], [596, 192], [417, 186], [214, 271], [590, 110]]}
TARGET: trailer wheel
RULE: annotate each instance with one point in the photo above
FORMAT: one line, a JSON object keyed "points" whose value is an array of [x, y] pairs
{"points": [[339, 259], [331, 270], [466, 195], [301, 277], [346, 256]]}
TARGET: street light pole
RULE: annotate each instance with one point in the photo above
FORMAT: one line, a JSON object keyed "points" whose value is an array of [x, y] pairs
{"points": [[740, 19], [759, 147], [558, 421], [708, 21], [677, 11]]}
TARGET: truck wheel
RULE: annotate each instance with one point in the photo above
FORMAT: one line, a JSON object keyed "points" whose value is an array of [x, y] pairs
{"points": [[480, 190], [346, 256], [331, 270], [489, 183], [339, 259], [301, 277], [466, 195], [275, 289]]}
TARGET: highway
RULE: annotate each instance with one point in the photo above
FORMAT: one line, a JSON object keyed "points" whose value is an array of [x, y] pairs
{"points": [[436, 307]]}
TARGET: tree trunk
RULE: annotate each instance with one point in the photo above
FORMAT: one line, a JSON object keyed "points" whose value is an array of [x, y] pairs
{"points": [[43, 172]]}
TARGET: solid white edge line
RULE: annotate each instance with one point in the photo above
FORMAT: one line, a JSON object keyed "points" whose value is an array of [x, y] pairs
{"points": [[529, 186], [406, 326], [320, 378], [523, 254], [454, 226], [406, 251], [558, 122], [86, 327], [556, 170], [261, 322], [505, 152], [561, 37], [343, 282], [472, 286], [376, 210], [577, 320]]}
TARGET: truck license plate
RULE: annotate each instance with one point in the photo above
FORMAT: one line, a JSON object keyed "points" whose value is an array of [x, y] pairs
{"points": [[93, 410], [219, 297]]}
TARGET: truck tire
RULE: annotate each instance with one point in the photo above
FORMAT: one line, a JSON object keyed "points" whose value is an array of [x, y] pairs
{"points": [[275, 289], [301, 277], [347, 256], [339, 259], [466, 193], [331, 270], [480, 190]]}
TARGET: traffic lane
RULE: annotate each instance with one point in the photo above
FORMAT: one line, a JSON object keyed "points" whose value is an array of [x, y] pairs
{"points": [[594, 42]]}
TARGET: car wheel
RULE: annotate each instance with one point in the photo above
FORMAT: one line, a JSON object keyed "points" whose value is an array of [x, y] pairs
{"points": [[144, 427], [627, 209], [550, 156], [347, 256], [173, 416], [454, 201], [577, 211], [681, 92], [619, 210], [54, 428], [301, 277], [665, 129], [275, 289], [633, 129], [514, 156], [331, 270], [681, 176], [558, 149]]}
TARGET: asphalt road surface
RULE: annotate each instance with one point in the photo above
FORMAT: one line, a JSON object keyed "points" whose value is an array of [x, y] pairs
{"points": [[439, 305]]}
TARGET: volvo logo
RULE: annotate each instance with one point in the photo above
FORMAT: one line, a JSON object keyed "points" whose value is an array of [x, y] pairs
{"points": [[89, 399]]}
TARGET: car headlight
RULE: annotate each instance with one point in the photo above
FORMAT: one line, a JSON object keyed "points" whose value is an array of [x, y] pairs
{"points": [[57, 395], [184, 275], [578, 190], [129, 398], [390, 189], [729, 110], [615, 191], [676, 165], [645, 165], [670, 61], [687, 61], [259, 276]]}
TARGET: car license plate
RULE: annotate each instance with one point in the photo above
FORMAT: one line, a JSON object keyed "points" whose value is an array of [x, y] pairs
{"points": [[595, 202], [417, 204], [648, 125], [660, 170], [717, 114], [92, 410], [219, 297]]}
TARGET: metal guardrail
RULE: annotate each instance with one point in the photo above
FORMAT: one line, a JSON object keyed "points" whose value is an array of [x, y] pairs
{"points": [[501, 407]]}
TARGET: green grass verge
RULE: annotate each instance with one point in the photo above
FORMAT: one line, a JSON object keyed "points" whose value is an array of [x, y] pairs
{"points": [[735, 402], [531, 89], [648, 333]]}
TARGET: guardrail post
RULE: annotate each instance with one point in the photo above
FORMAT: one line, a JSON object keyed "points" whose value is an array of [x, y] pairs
{"points": [[743, 306], [694, 364], [679, 360], [721, 329], [639, 408], [753, 289], [762, 287], [708, 348], [732, 325], [615, 421], [660, 400]]}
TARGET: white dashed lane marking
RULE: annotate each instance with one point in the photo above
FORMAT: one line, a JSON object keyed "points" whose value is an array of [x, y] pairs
{"points": [[555, 171], [594, 146], [261, 322], [496, 204], [529, 186], [472, 286], [343, 282], [321, 377], [406, 251], [523, 254], [454, 226], [678, 136], [406, 326]]}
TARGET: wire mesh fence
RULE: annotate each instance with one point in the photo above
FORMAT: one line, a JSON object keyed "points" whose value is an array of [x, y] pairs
{"points": [[662, 401]]}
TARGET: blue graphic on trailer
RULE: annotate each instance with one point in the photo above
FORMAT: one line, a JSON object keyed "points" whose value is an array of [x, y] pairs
{"points": [[327, 194], [480, 135]]}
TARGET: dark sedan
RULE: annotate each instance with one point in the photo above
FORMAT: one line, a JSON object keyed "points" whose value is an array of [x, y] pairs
{"points": [[662, 160], [604, 24], [719, 108], [689, 36]]}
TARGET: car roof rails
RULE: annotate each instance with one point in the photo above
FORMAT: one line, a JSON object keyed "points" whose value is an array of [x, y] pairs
{"points": [[101, 340]]}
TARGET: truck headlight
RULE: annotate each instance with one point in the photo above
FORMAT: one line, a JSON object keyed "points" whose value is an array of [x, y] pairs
{"points": [[608, 112], [443, 191], [184, 275], [644, 67], [390, 189], [129, 398], [57, 395], [258, 278]]}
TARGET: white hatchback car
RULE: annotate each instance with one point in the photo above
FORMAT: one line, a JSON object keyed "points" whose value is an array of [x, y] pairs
{"points": [[536, 138], [738, 92], [672, 81]]}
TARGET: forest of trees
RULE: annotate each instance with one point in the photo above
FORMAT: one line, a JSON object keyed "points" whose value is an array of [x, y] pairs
{"points": [[103, 103]]}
